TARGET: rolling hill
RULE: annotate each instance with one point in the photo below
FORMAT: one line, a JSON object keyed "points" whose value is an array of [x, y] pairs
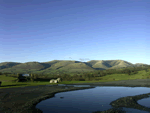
{"points": [[4, 65], [140, 64], [59, 66]]}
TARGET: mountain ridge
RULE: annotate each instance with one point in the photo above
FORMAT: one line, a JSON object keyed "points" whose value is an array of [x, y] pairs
{"points": [[71, 66]]}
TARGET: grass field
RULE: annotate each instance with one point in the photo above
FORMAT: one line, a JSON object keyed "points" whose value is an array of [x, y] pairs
{"points": [[7, 82]]}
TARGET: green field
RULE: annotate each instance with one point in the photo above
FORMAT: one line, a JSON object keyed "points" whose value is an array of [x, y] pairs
{"points": [[8, 82]]}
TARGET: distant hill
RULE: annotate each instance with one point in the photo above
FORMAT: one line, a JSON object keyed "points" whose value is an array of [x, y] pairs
{"points": [[140, 64], [68, 66]]}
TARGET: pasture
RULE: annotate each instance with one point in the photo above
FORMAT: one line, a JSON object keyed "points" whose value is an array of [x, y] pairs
{"points": [[9, 82]]}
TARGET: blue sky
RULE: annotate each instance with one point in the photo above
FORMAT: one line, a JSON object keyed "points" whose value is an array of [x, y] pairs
{"points": [[46, 30]]}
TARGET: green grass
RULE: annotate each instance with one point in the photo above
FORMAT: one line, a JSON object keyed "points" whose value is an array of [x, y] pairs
{"points": [[4, 78], [21, 84], [7, 82]]}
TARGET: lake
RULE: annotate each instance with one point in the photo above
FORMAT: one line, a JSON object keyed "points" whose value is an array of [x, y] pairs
{"points": [[91, 100]]}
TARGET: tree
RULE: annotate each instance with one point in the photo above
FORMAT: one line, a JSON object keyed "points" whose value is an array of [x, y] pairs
{"points": [[31, 77], [19, 77], [129, 72]]}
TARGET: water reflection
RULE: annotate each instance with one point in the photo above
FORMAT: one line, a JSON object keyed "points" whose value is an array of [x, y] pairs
{"points": [[89, 100]]}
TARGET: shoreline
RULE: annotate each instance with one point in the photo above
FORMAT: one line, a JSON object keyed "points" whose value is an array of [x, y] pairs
{"points": [[125, 83], [25, 99]]}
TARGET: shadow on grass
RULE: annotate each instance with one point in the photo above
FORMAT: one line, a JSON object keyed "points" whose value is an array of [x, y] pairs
{"points": [[13, 85]]}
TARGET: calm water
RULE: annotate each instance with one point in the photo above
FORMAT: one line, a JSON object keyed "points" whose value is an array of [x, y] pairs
{"points": [[90, 100], [144, 102]]}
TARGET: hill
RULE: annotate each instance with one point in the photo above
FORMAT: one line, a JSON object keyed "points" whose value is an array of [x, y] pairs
{"points": [[140, 64], [4, 65], [68, 66]]}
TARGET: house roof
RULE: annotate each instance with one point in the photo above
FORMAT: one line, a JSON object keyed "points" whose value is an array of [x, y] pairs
{"points": [[25, 74]]}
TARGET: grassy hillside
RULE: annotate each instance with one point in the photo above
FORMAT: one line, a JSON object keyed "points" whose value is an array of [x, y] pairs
{"points": [[5, 65], [25, 67], [140, 64], [64, 66]]}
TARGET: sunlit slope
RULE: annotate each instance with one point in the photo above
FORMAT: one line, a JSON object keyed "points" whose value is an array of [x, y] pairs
{"points": [[107, 64], [140, 64], [120, 64], [102, 64]]}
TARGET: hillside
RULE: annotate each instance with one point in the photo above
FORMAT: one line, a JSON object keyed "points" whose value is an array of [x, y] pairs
{"points": [[5, 65], [25, 67], [69, 66], [140, 64]]}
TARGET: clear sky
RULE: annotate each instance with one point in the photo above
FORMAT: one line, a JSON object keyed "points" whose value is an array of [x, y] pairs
{"points": [[46, 30]]}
